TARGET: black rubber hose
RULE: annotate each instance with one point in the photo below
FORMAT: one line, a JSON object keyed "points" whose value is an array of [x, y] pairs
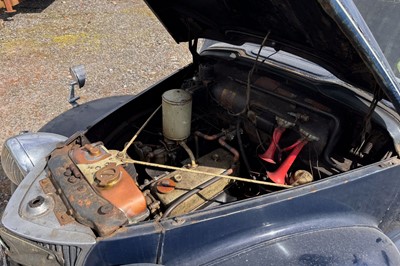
{"points": [[241, 148]]}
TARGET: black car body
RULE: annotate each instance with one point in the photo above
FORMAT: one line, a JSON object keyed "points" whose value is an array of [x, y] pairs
{"points": [[278, 145]]}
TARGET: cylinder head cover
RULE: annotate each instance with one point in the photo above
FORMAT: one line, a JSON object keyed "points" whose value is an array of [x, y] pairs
{"points": [[176, 114]]}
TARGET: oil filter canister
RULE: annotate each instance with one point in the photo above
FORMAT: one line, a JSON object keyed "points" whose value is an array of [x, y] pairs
{"points": [[176, 114]]}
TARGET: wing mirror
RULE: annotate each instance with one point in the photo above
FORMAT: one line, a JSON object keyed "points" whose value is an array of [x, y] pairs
{"points": [[78, 74]]}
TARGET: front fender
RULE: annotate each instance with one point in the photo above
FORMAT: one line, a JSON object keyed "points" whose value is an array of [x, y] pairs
{"points": [[85, 115], [338, 246]]}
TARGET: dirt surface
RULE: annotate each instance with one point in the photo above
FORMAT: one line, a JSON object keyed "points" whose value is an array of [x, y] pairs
{"points": [[121, 43]]}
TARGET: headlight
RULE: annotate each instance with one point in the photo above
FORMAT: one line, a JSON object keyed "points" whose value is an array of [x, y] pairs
{"points": [[21, 153]]}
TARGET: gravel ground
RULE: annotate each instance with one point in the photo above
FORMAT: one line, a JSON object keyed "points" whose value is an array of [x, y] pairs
{"points": [[121, 43]]}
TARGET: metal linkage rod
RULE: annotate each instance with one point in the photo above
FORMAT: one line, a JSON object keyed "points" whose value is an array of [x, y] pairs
{"points": [[122, 154], [205, 173]]}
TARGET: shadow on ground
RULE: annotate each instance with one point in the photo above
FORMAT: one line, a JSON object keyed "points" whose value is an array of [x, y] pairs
{"points": [[26, 6]]}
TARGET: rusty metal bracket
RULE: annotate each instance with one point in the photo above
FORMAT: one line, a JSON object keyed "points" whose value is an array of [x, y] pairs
{"points": [[60, 209], [85, 205]]}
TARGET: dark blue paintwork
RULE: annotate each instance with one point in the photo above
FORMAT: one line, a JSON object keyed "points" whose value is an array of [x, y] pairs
{"points": [[66, 124], [338, 246], [331, 33], [346, 14], [334, 221], [350, 219], [359, 200], [344, 220]]}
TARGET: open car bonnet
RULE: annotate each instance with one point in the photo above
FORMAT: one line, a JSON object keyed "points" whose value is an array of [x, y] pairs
{"points": [[330, 33]]}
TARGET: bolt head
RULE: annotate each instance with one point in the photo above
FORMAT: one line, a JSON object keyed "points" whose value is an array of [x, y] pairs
{"points": [[106, 209], [215, 157], [72, 179], [68, 172], [178, 178], [81, 188]]}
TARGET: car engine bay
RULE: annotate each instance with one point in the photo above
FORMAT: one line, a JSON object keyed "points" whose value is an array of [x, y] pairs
{"points": [[225, 135]]}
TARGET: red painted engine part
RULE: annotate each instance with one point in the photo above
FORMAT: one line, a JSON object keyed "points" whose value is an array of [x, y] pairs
{"points": [[279, 176]]}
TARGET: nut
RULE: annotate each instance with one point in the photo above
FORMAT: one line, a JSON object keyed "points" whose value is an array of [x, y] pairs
{"points": [[215, 157], [94, 151], [178, 178], [68, 172], [81, 188], [72, 179], [106, 209]]}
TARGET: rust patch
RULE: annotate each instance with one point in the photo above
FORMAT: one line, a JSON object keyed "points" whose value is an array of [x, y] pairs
{"points": [[124, 194], [109, 179], [85, 207], [165, 186], [228, 98], [63, 218], [89, 153], [60, 211]]}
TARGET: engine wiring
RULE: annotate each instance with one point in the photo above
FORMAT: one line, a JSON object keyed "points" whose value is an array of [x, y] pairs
{"points": [[367, 125], [250, 75], [122, 157], [221, 117], [242, 151]]}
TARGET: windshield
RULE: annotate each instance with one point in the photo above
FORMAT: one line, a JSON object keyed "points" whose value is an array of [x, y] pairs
{"points": [[382, 17]]}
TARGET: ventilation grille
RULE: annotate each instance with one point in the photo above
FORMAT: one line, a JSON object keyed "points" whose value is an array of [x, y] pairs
{"points": [[70, 254]]}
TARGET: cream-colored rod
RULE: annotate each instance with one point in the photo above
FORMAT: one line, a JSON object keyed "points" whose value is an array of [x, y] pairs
{"points": [[205, 173], [123, 152]]}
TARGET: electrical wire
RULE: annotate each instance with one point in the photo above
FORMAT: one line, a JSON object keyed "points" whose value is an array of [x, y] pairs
{"points": [[241, 148], [367, 119], [317, 161], [309, 162], [250, 75]]}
